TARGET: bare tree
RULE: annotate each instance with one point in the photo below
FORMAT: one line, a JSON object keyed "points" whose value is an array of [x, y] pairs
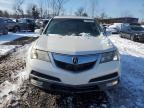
{"points": [[33, 11], [6, 14], [1, 13], [103, 15], [142, 12], [57, 6], [53, 6], [93, 4], [81, 12], [18, 7], [60, 4], [44, 7], [41, 9], [47, 11]]}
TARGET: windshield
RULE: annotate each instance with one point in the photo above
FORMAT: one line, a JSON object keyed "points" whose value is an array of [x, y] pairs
{"points": [[137, 28], [75, 27]]}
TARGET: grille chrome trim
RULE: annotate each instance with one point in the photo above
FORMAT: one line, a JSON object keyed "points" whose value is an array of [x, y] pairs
{"points": [[82, 59], [84, 62], [73, 67]]}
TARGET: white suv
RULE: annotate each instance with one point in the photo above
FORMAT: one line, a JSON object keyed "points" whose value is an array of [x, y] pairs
{"points": [[73, 55]]}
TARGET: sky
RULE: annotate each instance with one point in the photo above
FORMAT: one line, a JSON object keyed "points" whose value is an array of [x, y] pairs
{"points": [[112, 8]]}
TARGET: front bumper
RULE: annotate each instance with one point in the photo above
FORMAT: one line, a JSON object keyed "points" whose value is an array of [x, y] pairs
{"points": [[139, 37], [48, 76], [57, 86]]}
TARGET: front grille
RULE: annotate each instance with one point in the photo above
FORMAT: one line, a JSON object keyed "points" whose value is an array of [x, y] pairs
{"points": [[66, 88], [74, 67]]}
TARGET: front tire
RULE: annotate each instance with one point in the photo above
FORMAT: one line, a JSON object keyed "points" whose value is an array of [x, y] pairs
{"points": [[133, 38], [5, 31], [16, 29], [121, 35]]}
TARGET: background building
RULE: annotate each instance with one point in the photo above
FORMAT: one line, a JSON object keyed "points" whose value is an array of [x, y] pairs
{"points": [[118, 20]]}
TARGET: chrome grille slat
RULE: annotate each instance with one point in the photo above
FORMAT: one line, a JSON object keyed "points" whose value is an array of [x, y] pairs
{"points": [[81, 58], [65, 62]]}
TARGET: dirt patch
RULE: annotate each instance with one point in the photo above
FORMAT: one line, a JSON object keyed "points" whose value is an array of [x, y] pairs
{"points": [[9, 63], [9, 66], [21, 41], [32, 97]]}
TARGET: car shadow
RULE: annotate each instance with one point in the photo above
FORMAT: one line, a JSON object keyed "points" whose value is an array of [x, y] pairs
{"points": [[97, 99]]}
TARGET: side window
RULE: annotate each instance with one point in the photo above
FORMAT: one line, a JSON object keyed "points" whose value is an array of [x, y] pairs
{"points": [[10, 21], [22, 21], [27, 21], [19, 21], [1, 20], [125, 27], [128, 28]]}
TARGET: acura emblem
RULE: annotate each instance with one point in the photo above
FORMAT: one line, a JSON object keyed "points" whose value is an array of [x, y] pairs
{"points": [[75, 60]]}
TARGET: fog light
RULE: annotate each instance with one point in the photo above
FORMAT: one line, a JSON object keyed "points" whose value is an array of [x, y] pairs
{"points": [[112, 83]]}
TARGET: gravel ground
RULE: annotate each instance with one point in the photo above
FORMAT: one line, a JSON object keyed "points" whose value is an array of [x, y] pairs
{"points": [[9, 65], [35, 98], [12, 62]]}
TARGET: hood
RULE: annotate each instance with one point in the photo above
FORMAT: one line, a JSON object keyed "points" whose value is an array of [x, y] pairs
{"points": [[73, 45]]}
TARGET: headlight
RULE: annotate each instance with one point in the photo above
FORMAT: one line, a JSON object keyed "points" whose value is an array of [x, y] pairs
{"points": [[41, 55], [109, 56]]}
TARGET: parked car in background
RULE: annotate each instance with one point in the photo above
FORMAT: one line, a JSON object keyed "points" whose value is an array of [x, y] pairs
{"points": [[38, 23], [73, 55], [105, 25], [115, 28], [133, 32], [41, 23], [45, 21], [3, 27], [26, 24], [112, 29], [12, 25], [14, 19], [142, 26]]}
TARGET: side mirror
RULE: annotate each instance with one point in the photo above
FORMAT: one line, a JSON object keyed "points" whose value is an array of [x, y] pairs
{"points": [[38, 31]]}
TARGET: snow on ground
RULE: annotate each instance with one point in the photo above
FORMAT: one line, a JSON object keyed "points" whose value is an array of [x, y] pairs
{"points": [[13, 36], [130, 93], [5, 49], [9, 89]]}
